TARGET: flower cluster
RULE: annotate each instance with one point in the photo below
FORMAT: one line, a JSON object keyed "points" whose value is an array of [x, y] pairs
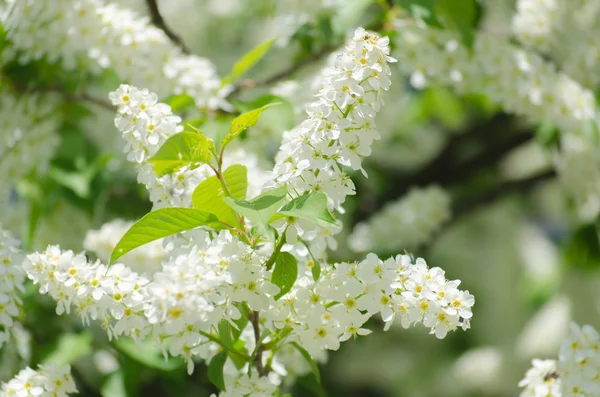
{"points": [[11, 283], [577, 372], [112, 295], [406, 223], [196, 288], [340, 127], [102, 242], [47, 381], [519, 80], [98, 35], [566, 31], [200, 284], [320, 315], [208, 281]]}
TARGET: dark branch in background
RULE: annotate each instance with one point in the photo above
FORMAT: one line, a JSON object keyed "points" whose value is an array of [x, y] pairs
{"points": [[254, 319], [84, 96], [465, 206], [69, 96], [160, 23], [284, 73], [488, 141]]}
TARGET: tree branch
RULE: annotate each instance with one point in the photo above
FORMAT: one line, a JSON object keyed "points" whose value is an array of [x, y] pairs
{"points": [[254, 319], [286, 73], [467, 205], [160, 23], [71, 97], [457, 162]]}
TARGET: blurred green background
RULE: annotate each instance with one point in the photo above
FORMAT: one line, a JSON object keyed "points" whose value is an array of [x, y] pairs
{"points": [[517, 246]]}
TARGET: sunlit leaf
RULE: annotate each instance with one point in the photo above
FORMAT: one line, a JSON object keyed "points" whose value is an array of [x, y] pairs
{"points": [[247, 61], [285, 273], [185, 148], [244, 121], [147, 354], [311, 206], [260, 209], [215, 370], [209, 194], [158, 224]]}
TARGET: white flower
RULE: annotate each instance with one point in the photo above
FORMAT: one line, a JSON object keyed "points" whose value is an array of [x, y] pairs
{"points": [[48, 381], [541, 380]]}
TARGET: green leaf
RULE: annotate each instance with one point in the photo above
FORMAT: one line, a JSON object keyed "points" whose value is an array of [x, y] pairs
{"points": [[78, 181], [316, 270], [179, 102], [273, 122], [310, 383], [459, 15], [240, 322], [548, 135], [70, 348], [225, 334], [582, 249], [209, 194], [244, 121], [311, 206], [260, 209], [313, 365], [420, 9], [114, 385], [158, 224], [237, 360], [147, 354], [285, 273], [215, 370], [247, 61], [185, 148]]}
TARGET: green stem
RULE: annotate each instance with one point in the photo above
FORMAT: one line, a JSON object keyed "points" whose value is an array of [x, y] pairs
{"points": [[220, 343]]}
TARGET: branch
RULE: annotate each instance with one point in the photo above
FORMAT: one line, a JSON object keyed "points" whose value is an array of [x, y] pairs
{"points": [[284, 73], [160, 23], [468, 204], [464, 206], [254, 319], [84, 96], [494, 137], [71, 97]]}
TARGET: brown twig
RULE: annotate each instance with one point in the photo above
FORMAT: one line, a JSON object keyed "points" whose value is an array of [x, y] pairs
{"points": [[160, 23], [254, 319]]}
